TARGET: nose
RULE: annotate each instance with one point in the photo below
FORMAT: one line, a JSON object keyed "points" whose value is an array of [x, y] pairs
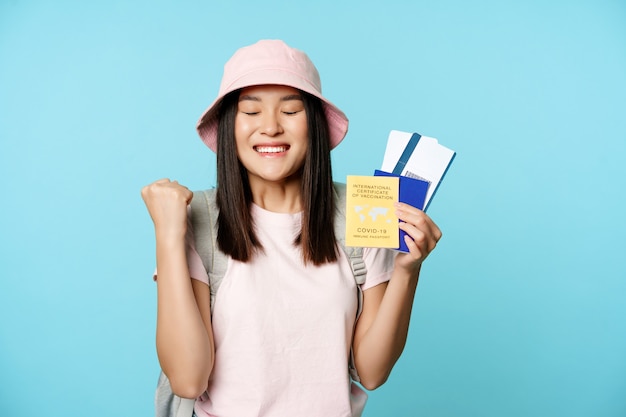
{"points": [[271, 124]]}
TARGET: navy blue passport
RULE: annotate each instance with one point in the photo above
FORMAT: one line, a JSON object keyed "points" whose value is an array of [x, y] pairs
{"points": [[412, 191]]}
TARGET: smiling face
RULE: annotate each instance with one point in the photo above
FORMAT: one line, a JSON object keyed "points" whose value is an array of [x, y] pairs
{"points": [[271, 133]]}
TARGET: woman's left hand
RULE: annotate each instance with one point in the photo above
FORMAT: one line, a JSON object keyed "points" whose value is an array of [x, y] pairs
{"points": [[422, 237]]}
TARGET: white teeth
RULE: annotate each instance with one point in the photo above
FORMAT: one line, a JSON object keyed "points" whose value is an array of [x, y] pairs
{"points": [[271, 149]]}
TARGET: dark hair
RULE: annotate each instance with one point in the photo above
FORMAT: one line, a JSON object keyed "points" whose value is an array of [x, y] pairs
{"points": [[236, 236]]}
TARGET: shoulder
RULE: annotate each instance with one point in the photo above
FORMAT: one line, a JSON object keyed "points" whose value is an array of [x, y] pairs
{"points": [[203, 202], [203, 220], [204, 196], [340, 188]]}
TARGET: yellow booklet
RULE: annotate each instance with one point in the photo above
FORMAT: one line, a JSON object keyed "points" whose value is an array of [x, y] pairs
{"points": [[370, 214]]}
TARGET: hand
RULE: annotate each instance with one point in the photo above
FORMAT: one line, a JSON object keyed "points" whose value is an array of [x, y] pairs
{"points": [[167, 204], [422, 237]]}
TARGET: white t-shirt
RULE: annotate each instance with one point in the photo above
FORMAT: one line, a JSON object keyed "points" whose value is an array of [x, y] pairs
{"points": [[283, 330]]}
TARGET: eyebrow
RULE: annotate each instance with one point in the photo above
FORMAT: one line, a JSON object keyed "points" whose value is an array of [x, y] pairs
{"points": [[285, 98]]}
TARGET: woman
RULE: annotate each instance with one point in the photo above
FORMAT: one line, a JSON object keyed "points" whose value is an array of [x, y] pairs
{"points": [[277, 340]]}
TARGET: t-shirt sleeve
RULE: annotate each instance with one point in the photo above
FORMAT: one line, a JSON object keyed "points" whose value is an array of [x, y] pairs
{"points": [[194, 262], [379, 263]]}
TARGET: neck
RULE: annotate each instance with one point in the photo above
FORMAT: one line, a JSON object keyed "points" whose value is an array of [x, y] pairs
{"points": [[279, 197]]}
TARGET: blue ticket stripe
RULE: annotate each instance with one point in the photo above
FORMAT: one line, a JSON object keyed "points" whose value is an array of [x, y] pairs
{"points": [[406, 154]]}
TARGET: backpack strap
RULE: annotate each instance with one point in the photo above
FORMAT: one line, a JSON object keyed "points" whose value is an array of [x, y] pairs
{"points": [[355, 256], [167, 404], [203, 217]]}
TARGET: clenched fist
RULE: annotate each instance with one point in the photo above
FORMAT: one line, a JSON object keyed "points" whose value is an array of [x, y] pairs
{"points": [[167, 204]]}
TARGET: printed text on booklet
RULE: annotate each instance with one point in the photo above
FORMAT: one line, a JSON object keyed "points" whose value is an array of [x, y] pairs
{"points": [[370, 211]]}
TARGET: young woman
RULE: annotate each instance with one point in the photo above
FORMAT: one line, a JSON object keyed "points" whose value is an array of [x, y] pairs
{"points": [[277, 340]]}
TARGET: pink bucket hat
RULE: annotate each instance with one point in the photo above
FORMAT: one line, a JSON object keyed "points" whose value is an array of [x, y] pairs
{"points": [[271, 62]]}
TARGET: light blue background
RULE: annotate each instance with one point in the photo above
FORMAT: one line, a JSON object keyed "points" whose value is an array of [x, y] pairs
{"points": [[521, 311]]}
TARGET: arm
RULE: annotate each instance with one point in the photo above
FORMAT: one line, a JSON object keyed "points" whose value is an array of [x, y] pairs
{"points": [[184, 336], [382, 329]]}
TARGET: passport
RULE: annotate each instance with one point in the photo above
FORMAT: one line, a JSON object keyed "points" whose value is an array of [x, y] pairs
{"points": [[370, 213]]}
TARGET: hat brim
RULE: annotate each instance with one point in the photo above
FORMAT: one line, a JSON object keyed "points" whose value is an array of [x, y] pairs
{"points": [[207, 124]]}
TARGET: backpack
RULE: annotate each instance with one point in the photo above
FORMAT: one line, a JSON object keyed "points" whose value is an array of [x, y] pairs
{"points": [[203, 218]]}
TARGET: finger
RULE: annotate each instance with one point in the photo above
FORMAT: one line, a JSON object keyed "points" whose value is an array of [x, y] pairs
{"points": [[145, 188], [188, 195], [418, 218], [181, 191], [414, 250], [407, 207], [423, 237]]}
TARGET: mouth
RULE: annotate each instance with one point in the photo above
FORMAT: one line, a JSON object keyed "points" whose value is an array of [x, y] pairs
{"points": [[271, 149]]}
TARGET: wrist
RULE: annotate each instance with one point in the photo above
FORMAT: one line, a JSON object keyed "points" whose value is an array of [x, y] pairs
{"points": [[410, 271], [169, 236]]}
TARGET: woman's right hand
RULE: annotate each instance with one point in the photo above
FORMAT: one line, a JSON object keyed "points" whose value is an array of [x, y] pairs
{"points": [[167, 204]]}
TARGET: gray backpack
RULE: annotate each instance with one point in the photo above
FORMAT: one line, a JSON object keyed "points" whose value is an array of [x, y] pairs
{"points": [[204, 222]]}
